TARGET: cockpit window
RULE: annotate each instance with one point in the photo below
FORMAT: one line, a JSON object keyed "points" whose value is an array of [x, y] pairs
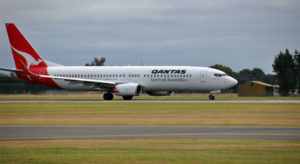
{"points": [[219, 74]]}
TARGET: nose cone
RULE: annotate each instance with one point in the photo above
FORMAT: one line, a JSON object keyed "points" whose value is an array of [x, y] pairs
{"points": [[232, 82]]}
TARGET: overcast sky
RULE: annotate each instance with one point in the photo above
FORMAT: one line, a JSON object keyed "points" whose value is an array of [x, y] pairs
{"points": [[236, 33]]}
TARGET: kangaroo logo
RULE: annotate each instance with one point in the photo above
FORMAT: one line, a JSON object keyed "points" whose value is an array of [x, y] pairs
{"points": [[29, 59]]}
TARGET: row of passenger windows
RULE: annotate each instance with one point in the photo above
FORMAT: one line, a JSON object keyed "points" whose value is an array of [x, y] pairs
{"points": [[117, 75], [92, 76]]}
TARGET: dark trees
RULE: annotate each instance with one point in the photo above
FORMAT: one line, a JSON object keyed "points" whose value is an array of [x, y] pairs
{"points": [[96, 62], [10, 84], [246, 75], [225, 69], [285, 68], [297, 64]]}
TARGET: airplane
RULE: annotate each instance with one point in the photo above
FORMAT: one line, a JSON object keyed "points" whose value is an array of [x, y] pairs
{"points": [[125, 81]]}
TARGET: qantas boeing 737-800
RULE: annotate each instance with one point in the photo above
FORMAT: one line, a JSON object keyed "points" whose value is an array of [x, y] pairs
{"points": [[126, 81]]}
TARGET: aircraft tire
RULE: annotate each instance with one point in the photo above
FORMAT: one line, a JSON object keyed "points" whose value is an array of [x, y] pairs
{"points": [[108, 96], [127, 97], [211, 97]]}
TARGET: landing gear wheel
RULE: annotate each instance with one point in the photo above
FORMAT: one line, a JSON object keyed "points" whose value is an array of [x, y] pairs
{"points": [[127, 97], [108, 96], [211, 97]]}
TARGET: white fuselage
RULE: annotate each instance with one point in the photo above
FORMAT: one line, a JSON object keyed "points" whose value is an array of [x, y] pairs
{"points": [[151, 78]]}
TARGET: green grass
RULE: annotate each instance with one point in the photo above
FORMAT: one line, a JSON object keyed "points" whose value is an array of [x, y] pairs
{"points": [[95, 96], [150, 151], [93, 113]]}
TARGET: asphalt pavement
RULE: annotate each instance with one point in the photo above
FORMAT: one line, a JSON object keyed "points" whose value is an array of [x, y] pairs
{"points": [[153, 132]]}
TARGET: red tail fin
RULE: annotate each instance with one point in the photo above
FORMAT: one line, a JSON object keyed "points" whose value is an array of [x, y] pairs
{"points": [[22, 50], [27, 59]]}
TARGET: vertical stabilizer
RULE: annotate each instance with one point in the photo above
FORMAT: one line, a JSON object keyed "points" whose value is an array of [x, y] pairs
{"points": [[27, 60], [22, 50]]}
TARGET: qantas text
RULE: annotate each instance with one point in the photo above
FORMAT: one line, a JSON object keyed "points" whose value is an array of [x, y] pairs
{"points": [[162, 71]]}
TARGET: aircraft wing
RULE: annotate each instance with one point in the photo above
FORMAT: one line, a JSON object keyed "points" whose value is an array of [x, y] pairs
{"points": [[97, 83]]}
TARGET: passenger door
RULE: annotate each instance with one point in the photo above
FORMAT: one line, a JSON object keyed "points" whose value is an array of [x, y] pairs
{"points": [[203, 76]]}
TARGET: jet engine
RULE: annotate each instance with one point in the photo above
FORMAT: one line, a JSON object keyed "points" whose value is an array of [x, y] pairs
{"points": [[128, 89]]}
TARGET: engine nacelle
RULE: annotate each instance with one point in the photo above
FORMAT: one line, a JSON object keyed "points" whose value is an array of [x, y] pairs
{"points": [[128, 89], [160, 93]]}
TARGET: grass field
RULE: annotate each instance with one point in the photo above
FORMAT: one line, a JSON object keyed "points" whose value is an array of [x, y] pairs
{"points": [[96, 96], [150, 151], [93, 113]]}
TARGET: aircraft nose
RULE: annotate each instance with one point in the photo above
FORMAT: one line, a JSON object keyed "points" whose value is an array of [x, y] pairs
{"points": [[232, 81]]}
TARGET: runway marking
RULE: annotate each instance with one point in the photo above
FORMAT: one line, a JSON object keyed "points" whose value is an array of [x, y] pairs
{"points": [[144, 135]]}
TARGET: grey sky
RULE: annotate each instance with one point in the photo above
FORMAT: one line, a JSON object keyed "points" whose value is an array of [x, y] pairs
{"points": [[236, 33]]}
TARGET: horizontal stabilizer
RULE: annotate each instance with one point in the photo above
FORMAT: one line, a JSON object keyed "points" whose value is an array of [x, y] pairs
{"points": [[12, 70]]}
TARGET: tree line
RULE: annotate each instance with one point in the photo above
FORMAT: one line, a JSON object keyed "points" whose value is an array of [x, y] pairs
{"points": [[247, 75], [10, 84]]}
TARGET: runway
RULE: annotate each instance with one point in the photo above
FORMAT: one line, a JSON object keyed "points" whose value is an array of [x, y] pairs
{"points": [[152, 101], [141, 132]]}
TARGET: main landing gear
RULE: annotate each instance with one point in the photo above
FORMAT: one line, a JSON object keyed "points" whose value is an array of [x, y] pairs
{"points": [[127, 97], [211, 97], [108, 96]]}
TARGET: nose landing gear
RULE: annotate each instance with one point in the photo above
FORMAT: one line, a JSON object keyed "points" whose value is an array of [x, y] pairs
{"points": [[211, 97]]}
